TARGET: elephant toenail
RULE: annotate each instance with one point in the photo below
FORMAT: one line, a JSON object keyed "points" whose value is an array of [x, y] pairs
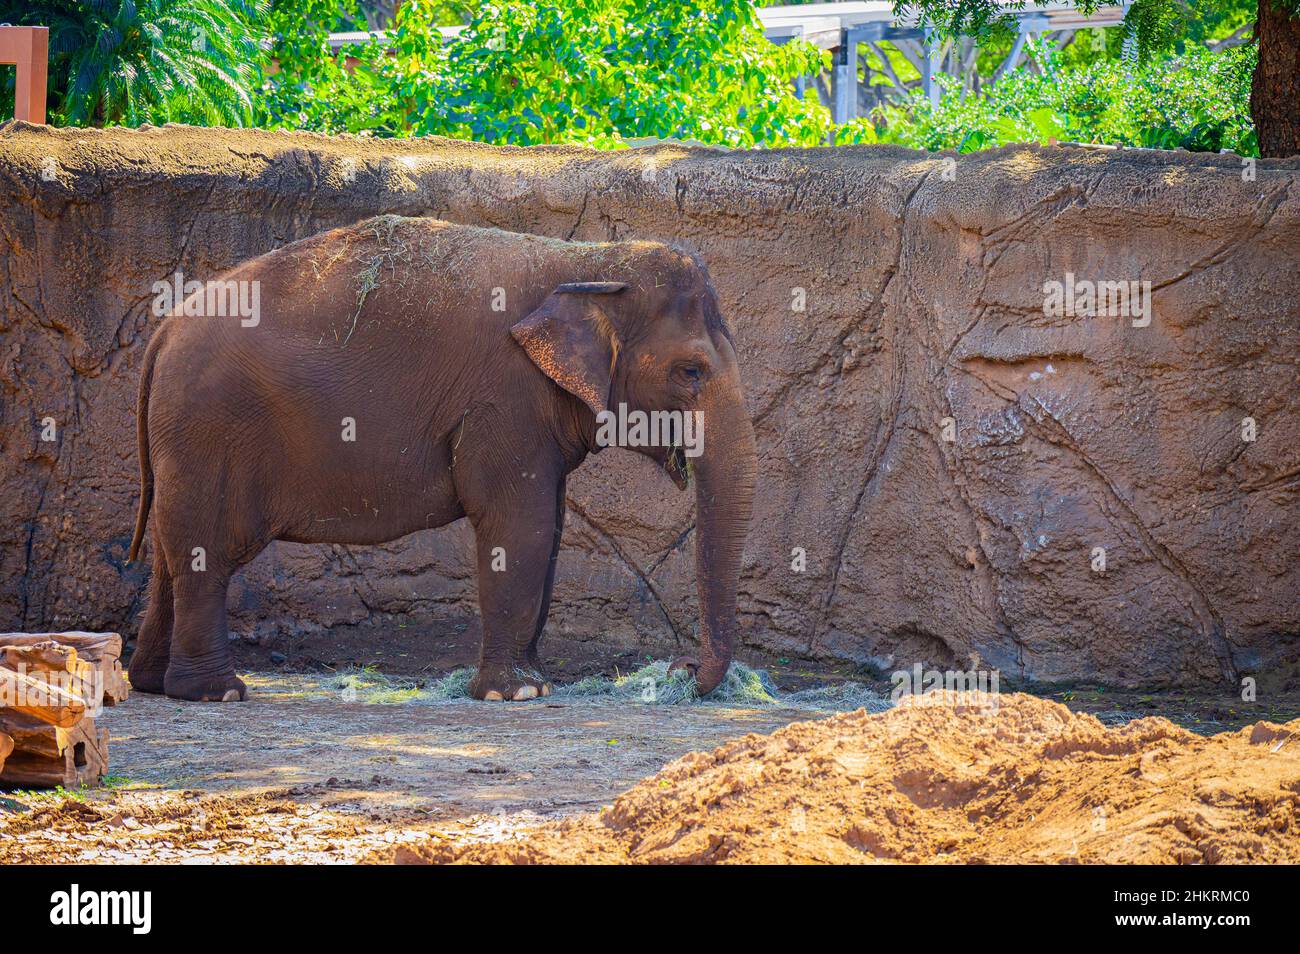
{"points": [[525, 692], [232, 695], [493, 696], [546, 689]]}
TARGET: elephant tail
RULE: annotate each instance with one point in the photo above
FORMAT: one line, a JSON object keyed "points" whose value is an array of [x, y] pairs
{"points": [[142, 440]]}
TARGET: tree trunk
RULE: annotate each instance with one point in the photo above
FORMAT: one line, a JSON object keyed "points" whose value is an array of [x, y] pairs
{"points": [[1275, 91]]}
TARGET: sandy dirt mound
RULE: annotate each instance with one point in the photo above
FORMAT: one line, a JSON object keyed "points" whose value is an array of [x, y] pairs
{"points": [[1027, 781]]}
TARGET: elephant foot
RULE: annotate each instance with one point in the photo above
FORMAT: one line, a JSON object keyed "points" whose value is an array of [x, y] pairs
{"points": [[147, 679], [198, 687], [497, 685], [706, 681], [687, 664]]}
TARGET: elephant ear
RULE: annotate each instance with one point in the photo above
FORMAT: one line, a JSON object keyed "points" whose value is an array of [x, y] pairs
{"points": [[570, 338]]}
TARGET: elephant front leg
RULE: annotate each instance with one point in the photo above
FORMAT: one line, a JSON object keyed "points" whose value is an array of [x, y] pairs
{"points": [[515, 552]]}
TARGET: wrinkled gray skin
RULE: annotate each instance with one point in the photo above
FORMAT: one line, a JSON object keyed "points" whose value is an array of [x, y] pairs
{"points": [[473, 363]]}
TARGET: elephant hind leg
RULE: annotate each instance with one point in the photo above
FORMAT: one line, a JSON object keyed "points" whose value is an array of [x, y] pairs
{"points": [[209, 526], [153, 646], [201, 668]]}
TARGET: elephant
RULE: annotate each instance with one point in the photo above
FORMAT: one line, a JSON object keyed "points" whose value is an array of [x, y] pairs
{"points": [[404, 373]]}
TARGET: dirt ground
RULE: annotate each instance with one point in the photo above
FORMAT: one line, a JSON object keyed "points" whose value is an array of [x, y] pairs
{"points": [[302, 774], [1006, 779], [299, 774]]}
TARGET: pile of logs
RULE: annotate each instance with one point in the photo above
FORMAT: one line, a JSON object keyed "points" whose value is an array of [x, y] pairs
{"points": [[52, 685]]}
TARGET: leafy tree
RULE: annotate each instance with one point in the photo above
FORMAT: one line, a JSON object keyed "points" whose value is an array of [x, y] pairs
{"points": [[596, 70], [589, 71], [309, 86], [1157, 24], [379, 14], [137, 61], [1195, 100]]}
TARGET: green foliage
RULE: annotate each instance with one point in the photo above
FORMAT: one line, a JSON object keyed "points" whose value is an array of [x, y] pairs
{"points": [[1198, 100], [601, 72], [588, 71], [985, 18], [354, 89], [595, 70], [137, 61], [28, 798], [1155, 24], [314, 88], [1219, 19]]}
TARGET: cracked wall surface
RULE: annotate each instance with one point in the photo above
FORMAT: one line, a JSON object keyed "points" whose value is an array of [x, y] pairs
{"points": [[923, 281]]}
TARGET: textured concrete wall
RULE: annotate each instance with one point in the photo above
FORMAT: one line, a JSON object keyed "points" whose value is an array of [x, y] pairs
{"points": [[922, 280]]}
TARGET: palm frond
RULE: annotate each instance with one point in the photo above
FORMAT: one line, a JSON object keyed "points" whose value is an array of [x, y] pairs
{"points": [[135, 61]]}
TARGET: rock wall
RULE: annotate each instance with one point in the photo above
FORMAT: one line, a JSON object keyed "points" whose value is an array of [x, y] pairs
{"points": [[945, 452]]}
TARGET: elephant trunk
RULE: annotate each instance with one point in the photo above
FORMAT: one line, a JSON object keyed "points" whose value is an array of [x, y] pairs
{"points": [[725, 475]]}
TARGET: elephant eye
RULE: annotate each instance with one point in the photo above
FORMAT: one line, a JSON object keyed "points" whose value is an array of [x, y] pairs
{"points": [[689, 373]]}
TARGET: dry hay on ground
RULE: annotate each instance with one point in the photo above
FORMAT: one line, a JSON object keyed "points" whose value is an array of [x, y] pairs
{"points": [[652, 684], [1029, 781]]}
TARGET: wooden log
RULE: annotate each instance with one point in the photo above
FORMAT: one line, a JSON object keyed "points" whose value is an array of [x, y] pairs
{"points": [[41, 699], [45, 756], [48, 656], [90, 646], [116, 688], [57, 666], [6, 746], [101, 650]]}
